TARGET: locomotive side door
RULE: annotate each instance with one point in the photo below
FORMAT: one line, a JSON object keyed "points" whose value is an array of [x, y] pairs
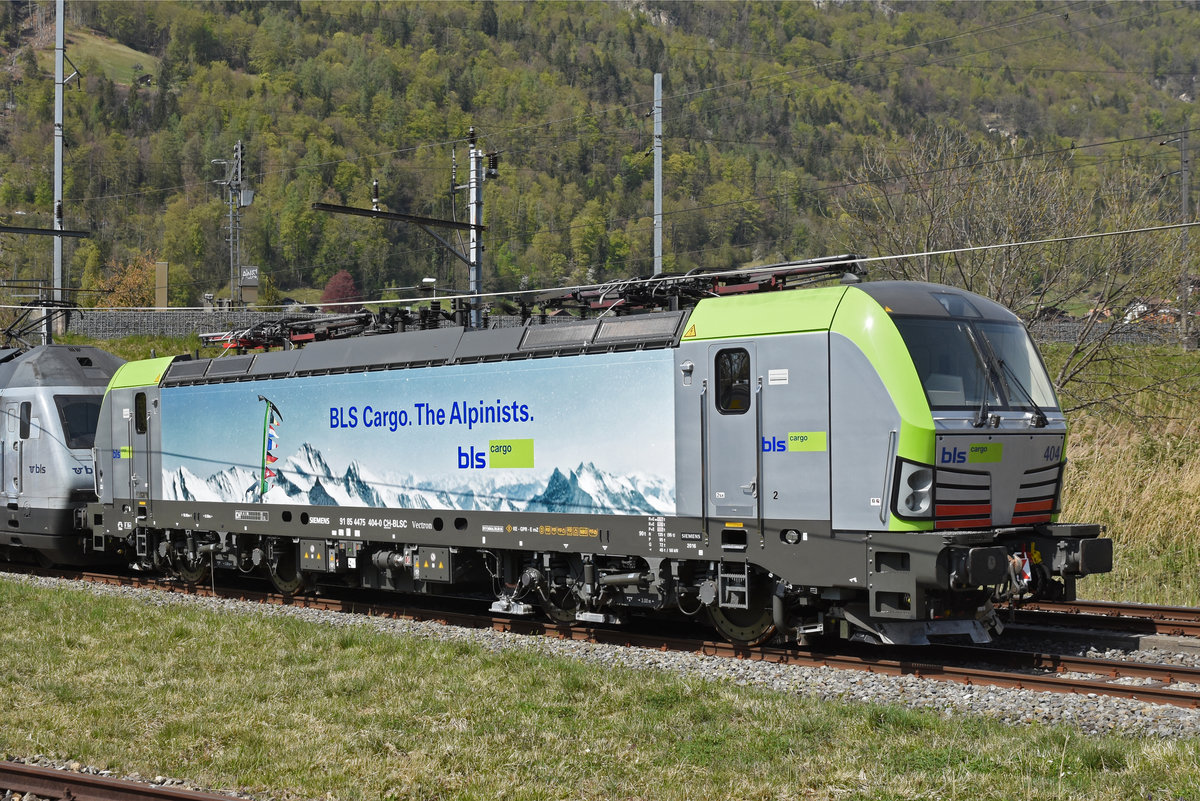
{"points": [[139, 438], [118, 482], [731, 433], [10, 441], [21, 426]]}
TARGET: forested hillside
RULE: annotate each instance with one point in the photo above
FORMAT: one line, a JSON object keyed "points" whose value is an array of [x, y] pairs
{"points": [[791, 130]]}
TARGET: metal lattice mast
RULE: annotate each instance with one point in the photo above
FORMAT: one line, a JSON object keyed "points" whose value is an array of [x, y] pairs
{"points": [[475, 218], [238, 196]]}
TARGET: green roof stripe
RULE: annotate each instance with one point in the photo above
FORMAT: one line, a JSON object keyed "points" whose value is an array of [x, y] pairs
{"points": [[763, 313], [145, 373]]}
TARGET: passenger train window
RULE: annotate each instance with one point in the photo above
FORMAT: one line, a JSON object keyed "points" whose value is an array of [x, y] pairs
{"points": [[26, 417], [733, 381], [139, 412]]}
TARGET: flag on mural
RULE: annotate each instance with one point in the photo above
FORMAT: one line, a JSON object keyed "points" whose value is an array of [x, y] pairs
{"points": [[271, 419]]}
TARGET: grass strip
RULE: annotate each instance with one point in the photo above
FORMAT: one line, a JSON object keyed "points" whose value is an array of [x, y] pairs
{"points": [[296, 709]]}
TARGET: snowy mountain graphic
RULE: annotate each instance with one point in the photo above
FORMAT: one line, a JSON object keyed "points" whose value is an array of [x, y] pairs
{"points": [[306, 477], [589, 491]]}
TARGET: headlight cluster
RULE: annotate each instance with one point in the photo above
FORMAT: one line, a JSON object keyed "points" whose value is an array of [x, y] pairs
{"points": [[914, 495]]}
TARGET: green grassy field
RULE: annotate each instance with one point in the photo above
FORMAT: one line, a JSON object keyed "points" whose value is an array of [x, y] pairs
{"points": [[1135, 468], [1143, 483], [296, 709], [115, 60]]}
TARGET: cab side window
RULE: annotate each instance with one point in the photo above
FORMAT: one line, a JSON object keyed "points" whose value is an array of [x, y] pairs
{"points": [[732, 371], [139, 412]]}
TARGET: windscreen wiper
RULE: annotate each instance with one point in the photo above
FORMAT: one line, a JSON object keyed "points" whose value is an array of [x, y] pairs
{"points": [[1039, 417], [983, 415]]}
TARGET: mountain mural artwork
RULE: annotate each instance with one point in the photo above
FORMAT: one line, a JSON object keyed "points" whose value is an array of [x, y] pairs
{"points": [[505, 437]]}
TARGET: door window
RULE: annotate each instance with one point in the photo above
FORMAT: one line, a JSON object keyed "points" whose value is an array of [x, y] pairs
{"points": [[733, 381], [139, 412]]}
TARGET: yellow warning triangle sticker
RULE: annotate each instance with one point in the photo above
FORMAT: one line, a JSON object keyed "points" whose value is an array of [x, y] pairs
{"points": [[691, 332]]}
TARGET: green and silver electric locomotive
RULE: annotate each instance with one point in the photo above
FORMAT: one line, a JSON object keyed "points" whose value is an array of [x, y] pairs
{"points": [[881, 460]]}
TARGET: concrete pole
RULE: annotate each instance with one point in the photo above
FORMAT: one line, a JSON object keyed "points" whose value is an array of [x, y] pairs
{"points": [[1185, 280], [658, 267], [59, 72]]}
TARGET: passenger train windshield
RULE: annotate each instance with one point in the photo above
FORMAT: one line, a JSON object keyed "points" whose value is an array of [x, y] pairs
{"points": [[79, 415], [967, 364]]}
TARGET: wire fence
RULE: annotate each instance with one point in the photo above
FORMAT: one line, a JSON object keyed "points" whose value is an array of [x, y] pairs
{"points": [[1133, 333], [117, 323]]}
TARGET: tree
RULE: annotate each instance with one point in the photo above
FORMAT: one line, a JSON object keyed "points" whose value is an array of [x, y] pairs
{"points": [[341, 289], [88, 263], [130, 284], [268, 293], [1017, 229]]}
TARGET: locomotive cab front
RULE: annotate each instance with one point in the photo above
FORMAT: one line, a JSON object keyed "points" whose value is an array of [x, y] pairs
{"points": [[984, 469], [988, 392]]}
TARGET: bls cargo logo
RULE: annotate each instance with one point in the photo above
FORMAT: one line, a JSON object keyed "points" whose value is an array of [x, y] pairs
{"points": [[796, 441], [499, 453], [975, 453]]}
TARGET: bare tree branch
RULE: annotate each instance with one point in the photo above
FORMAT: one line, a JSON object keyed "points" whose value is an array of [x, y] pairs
{"points": [[905, 201]]}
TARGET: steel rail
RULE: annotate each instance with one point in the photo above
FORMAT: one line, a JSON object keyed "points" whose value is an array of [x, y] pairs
{"points": [[50, 783], [922, 663], [1134, 618], [1063, 663]]}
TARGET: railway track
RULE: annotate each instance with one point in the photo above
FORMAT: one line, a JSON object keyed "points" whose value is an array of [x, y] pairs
{"points": [[970, 665], [1129, 618], [49, 783], [1049, 672]]}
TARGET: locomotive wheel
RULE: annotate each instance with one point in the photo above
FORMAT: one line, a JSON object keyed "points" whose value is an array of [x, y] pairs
{"points": [[560, 605], [193, 570], [743, 626], [286, 575]]}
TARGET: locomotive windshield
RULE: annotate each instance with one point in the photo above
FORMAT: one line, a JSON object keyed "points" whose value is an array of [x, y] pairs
{"points": [[79, 415], [969, 364]]}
